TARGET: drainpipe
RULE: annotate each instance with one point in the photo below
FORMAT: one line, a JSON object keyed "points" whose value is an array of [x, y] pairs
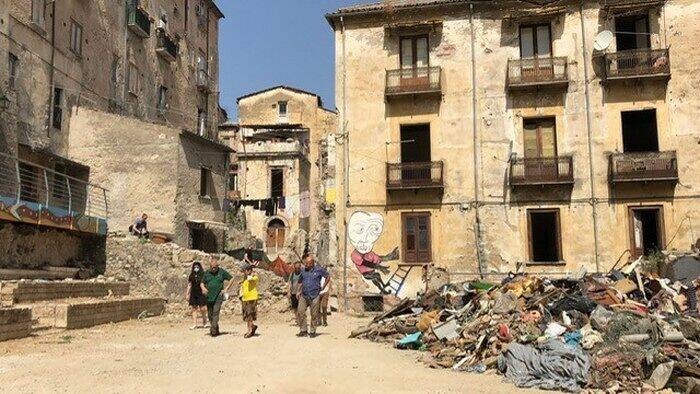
{"points": [[53, 65], [589, 122], [477, 224], [346, 168]]}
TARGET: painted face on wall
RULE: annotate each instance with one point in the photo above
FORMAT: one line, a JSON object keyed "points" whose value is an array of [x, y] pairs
{"points": [[364, 230]]}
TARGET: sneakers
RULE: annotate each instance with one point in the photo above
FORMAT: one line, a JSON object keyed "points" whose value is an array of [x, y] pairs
{"points": [[255, 328], [302, 334], [313, 335]]}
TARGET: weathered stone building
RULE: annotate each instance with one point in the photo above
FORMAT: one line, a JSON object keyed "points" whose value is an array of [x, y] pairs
{"points": [[487, 137], [279, 139], [129, 89]]}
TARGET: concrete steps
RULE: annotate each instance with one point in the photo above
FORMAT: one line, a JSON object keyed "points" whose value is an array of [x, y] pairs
{"points": [[27, 292], [34, 305], [15, 323]]}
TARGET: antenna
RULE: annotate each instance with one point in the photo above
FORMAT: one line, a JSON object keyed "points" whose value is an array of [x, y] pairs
{"points": [[603, 40]]}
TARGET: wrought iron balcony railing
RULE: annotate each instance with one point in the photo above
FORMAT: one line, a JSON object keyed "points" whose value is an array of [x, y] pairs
{"points": [[643, 167], [418, 80], [139, 21], [526, 73], [638, 63], [166, 47], [34, 194], [539, 171], [414, 175]]}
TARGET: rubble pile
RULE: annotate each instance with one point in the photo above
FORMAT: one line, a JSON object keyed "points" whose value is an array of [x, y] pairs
{"points": [[161, 270], [625, 331]]}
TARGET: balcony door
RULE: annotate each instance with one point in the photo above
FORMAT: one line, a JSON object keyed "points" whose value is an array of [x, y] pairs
{"points": [[639, 132], [540, 148], [414, 61], [632, 32], [415, 154], [536, 52]]}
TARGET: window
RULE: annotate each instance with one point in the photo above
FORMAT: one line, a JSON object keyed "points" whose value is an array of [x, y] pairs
{"points": [[639, 133], [535, 41], [282, 108], [76, 38], [416, 237], [162, 99], [13, 64], [133, 82], [632, 32], [57, 113], [540, 137], [204, 182], [201, 122], [233, 181], [39, 13], [544, 235], [276, 182], [414, 52]]}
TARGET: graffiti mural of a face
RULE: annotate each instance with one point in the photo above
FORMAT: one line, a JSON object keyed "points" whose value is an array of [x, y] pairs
{"points": [[365, 228]]}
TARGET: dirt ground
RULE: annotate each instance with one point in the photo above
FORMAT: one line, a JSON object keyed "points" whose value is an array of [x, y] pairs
{"points": [[163, 355]]}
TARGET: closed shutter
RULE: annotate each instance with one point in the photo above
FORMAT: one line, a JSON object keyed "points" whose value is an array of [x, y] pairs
{"points": [[416, 238]]}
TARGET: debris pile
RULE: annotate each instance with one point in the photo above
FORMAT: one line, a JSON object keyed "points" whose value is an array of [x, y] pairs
{"points": [[625, 331]]}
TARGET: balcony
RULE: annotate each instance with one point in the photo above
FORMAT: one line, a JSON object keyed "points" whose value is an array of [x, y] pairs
{"points": [[411, 81], [202, 81], [402, 176], [638, 63], [166, 47], [537, 73], [643, 167], [541, 171], [139, 22], [272, 148], [33, 194]]}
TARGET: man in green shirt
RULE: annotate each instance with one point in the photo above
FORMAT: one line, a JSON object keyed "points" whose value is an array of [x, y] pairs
{"points": [[213, 287]]}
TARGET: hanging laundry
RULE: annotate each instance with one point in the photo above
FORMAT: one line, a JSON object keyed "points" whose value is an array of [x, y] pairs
{"points": [[291, 205], [280, 202]]}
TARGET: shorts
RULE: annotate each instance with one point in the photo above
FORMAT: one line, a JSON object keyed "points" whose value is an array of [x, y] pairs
{"points": [[250, 312]]}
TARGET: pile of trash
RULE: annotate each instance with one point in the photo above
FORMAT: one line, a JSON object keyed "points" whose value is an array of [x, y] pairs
{"points": [[624, 331]]}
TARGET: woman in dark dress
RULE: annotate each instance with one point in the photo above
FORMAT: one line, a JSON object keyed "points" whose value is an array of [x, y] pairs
{"points": [[195, 297]]}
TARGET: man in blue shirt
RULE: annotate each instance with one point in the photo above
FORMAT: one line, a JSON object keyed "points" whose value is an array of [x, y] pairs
{"points": [[310, 295]]}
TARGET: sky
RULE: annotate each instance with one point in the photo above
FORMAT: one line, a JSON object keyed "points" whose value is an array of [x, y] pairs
{"points": [[264, 43]]}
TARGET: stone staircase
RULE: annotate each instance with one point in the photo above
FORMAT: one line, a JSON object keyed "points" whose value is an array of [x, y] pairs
{"points": [[26, 306]]}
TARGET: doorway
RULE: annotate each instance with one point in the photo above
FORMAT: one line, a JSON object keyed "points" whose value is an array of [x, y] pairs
{"points": [[275, 237], [646, 230], [632, 32], [544, 235], [639, 132], [204, 239], [415, 153]]}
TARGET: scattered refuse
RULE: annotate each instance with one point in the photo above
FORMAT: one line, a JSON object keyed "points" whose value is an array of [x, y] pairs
{"points": [[626, 331]]}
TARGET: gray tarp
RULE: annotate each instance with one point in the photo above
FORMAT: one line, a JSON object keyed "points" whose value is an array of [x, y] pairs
{"points": [[552, 365]]}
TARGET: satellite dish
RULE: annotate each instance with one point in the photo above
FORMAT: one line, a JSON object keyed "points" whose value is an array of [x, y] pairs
{"points": [[603, 40]]}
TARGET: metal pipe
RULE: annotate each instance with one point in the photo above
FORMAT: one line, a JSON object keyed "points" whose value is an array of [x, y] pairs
{"points": [[346, 168], [477, 222]]}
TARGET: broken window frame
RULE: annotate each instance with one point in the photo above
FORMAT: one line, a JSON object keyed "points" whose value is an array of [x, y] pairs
{"points": [[531, 251], [280, 190], [76, 38], [416, 256], [12, 67], [661, 228]]}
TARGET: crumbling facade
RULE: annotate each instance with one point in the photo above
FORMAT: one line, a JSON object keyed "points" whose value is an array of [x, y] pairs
{"points": [[502, 136], [86, 80], [280, 140]]}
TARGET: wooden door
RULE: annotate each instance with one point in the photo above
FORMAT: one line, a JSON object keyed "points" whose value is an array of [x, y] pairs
{"points": [[416, 238], [414, 62]]}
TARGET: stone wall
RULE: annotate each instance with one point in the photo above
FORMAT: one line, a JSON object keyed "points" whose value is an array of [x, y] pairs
{"points": [[25, 246]]}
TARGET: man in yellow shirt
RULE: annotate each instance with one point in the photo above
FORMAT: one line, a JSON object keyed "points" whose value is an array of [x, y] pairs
{"points": [[249, 297]]}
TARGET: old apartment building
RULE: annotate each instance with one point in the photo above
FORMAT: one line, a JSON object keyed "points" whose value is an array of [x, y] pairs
{"points": [[489, 136], [123, 94], [282, 181]]}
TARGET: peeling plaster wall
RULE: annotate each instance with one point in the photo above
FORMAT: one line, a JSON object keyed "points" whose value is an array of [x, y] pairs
{"points": [[373, 124]]}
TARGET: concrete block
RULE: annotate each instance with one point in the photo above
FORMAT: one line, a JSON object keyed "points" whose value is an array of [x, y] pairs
{"points": [[15, 323]]}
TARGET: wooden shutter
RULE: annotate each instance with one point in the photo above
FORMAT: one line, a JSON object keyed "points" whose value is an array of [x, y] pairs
{"points": [[416, 237]]}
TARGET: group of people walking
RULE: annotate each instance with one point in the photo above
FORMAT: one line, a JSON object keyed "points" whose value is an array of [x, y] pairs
{"points": [[308, 288]]}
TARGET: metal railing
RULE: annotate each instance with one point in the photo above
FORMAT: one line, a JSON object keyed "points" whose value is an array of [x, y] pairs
{"points": [[167, 47], [139, 21], [637, 63], [643, 166], [202, 79], [413, 80], [539, 71], [37, 187], [414, 175], [526, 171]]}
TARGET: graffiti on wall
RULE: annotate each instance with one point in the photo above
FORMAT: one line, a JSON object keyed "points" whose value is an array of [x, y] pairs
{"points": [[33, 213], [364, 230]]}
